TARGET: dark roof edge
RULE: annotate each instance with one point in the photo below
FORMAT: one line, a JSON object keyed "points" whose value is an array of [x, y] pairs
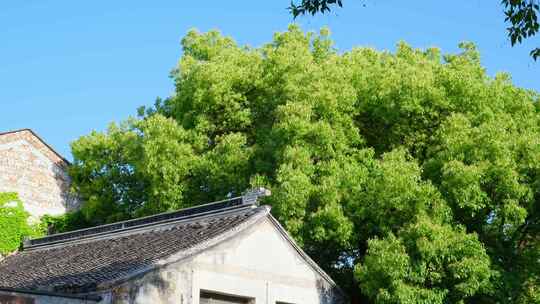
{"points": [[15, 131], [304, 255], [139, 229], [40, 139], [250, 198], [263, 212], [151, 221], [92, 298]]}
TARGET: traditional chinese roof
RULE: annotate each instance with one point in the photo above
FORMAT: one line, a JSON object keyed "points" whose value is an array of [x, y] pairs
{"points": [[90, 259]]}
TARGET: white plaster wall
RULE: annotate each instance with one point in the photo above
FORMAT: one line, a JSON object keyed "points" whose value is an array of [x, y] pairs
{"points": [[258, 263]]}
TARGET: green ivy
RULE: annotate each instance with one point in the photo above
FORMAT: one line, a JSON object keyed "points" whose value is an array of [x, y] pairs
{"points": [[14, 224]]}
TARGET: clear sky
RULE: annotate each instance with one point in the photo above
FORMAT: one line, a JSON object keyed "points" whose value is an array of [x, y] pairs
{"points": [[69, 67]]}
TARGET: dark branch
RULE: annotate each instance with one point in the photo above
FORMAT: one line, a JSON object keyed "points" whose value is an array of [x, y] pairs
{"points": [[521, 14]]}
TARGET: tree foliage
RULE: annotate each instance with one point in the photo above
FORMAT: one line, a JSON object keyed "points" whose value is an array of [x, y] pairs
{"points": [[411, 177], [313, 7], [522, 16], [426, 263], [14, 225]]}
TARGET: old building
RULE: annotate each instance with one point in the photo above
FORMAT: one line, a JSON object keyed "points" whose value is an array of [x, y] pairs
{"points": [[231, 251], [32, 169]]}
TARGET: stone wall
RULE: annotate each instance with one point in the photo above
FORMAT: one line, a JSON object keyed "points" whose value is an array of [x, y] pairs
{"points": [[36, 173]]}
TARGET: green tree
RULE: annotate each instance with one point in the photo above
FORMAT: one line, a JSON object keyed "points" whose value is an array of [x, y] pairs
{"points": [[409, 176], [522, 16], [14, 224], [426, 263]]}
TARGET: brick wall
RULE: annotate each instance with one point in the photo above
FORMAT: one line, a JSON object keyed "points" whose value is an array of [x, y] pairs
{"points": [[36, 172]]}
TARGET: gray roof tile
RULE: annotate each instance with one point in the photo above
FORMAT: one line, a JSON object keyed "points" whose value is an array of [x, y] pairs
{"points": [[78, 264]]}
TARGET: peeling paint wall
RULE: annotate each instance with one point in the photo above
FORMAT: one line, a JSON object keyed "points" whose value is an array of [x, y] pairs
{"points": [[172, 284]]}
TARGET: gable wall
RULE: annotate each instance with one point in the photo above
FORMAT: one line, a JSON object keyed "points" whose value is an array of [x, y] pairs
{"points": [[36, 173], [258, 263]]}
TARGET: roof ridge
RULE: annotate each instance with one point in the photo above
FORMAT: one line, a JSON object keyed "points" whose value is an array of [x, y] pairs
{"points": [[257, 215], [133, 224], [249, 199], [89, 266], [192, 220]]}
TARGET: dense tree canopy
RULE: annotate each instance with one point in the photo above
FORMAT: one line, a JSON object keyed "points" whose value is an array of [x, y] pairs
{"points": [[411, 177], [522, 16]]}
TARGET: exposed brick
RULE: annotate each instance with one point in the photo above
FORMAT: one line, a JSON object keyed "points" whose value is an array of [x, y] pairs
{"points": [[29, 167]]}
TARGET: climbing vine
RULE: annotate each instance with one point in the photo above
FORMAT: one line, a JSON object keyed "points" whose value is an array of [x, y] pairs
{"points": [[14, 223]]}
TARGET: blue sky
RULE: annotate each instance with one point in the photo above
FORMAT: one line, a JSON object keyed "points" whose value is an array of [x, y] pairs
{"points": [[69, 67]]}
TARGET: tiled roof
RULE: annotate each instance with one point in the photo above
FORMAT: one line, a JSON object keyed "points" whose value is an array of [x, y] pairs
{"points": [[87, 260]]}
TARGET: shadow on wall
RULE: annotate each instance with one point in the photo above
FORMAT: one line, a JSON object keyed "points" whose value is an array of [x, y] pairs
{"points": [[153, 287], [329, 294], [70, 201]]}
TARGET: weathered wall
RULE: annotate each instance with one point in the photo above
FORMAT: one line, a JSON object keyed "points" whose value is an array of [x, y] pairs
{"points": [[36, 173], [172, 284], [19, 298], [259, 263]]}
